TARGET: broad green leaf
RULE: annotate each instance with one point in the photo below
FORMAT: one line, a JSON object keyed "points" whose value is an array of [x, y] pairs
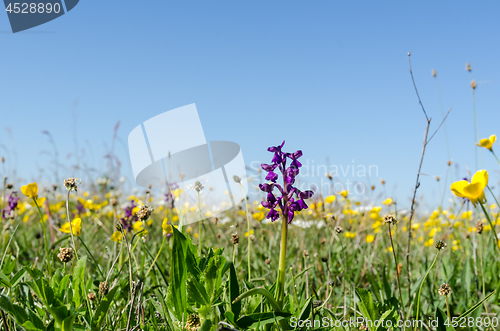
{"points": [[60, 314], [206, 325], [102, 310], [306, 311], [234, 291], [179, 275], [389, 315], [230, 317], [196, 292], [17, 277], [63, 288], [253, 321], [9, 265], [262, 291], [366, 306], [441, 320], [4, 280], [78, 281], [67, 324], [16, 311], [28, 325]]}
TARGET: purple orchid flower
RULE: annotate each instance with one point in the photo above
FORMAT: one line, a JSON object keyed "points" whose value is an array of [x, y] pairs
{"points": [[286, 201], [12, 202], [128, 218]]}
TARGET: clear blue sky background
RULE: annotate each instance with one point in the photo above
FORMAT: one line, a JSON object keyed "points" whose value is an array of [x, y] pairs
{"points": [[329, 77]]}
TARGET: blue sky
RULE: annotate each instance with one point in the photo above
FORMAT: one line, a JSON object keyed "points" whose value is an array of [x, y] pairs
{"points": [[329, 77]]}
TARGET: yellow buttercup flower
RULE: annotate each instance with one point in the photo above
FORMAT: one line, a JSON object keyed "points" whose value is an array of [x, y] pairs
{"points": [[39, 202], [76, 224], [116, 237], [344, 193], [177, 192], [167, 228], [474, 190], [138, 226], [30, 190], [259, 216], [330, 199], [487, 142], [370, 238], [387, 201]]}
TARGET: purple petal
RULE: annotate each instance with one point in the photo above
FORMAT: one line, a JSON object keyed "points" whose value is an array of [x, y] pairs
{"points": [[268, 167], [296, 163], [302, 204], [272, 176], [266, 187], [306, 194]]}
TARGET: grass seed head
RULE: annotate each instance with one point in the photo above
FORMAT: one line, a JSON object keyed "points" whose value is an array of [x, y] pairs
{"points": [[144, 212], [390, 219], [479, 226], [444, 289], [440, 245], [65, 254], [71, 183], [198, 186], [103, 288], [193, 322]]}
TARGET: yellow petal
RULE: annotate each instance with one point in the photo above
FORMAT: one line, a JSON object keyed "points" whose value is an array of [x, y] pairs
{"points": [[76, 224], [481, 177], [116, 237], [458, 188], [30, 190], [473, 191], [330, 199], [493, 138]]}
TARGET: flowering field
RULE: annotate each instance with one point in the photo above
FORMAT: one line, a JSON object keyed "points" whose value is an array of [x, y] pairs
{"points": [[124, 263], [86, 256]]}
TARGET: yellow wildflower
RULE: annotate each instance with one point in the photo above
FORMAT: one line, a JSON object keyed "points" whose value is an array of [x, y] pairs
{"points": [[76, 225], [259, 216], [167, 228], [487, 142], [473, 190], [116, 237], [138, 226], [30, 190]]}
